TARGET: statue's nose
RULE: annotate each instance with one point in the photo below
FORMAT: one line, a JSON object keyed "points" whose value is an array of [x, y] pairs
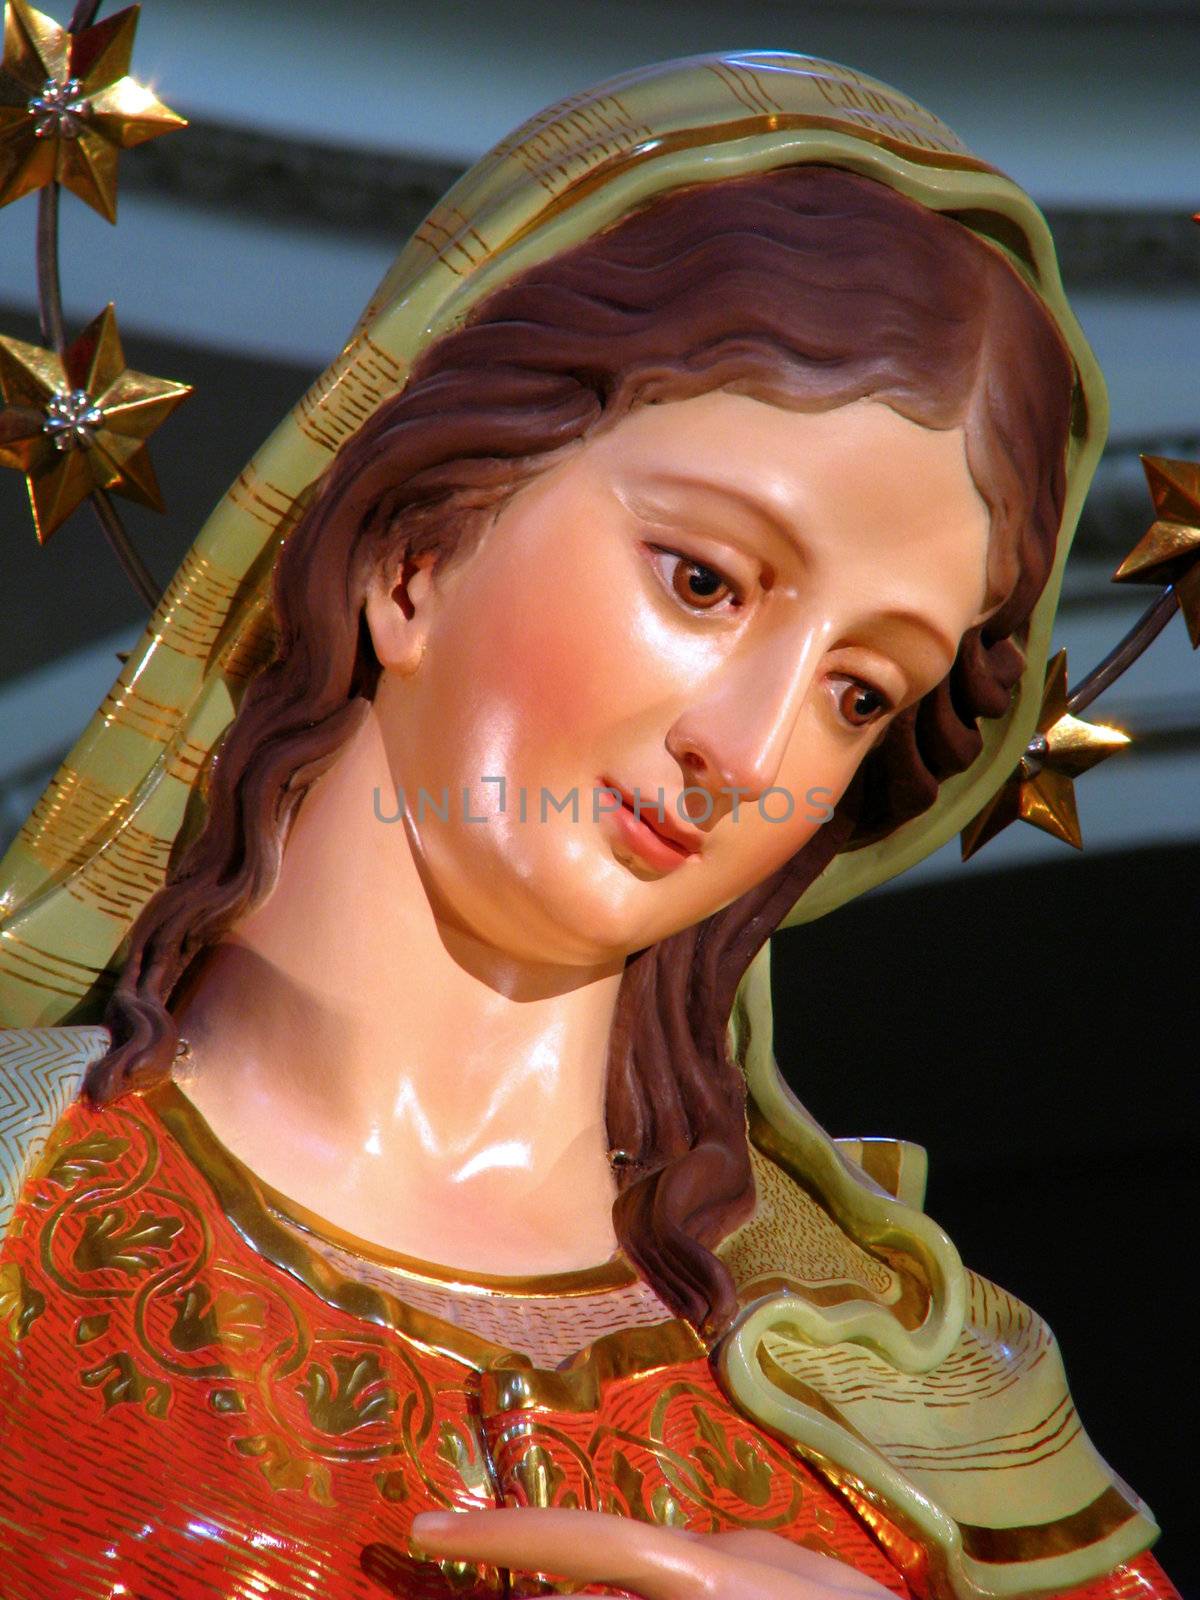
{"points": [[736, 733]]}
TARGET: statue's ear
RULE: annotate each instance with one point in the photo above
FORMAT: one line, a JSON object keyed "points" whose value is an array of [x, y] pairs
{"points": [[398, 609]]}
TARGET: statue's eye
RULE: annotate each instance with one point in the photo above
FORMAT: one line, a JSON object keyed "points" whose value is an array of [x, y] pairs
{"points": [[861, 703], [700, 587]]}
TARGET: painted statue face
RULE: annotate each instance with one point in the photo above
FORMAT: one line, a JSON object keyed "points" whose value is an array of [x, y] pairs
{"points": [[715, 598]]}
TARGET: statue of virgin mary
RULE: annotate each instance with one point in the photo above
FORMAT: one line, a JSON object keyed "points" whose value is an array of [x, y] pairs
{"points": [[380, 1140]]}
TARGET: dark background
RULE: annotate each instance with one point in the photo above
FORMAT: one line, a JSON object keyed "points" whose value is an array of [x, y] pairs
{"points": [[1036, 1030]]}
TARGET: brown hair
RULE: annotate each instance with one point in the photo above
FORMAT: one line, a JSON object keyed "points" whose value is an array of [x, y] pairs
{"points": [[806, 286]]}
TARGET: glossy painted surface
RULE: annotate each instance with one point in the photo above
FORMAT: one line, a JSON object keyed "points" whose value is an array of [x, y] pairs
{"points": [[712, 600], [183, 1418], [186, 1417], [190, 1368], [127, 783], [99, 845]]}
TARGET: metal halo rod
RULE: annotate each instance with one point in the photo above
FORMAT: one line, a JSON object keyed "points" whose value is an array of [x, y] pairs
{"points": [[1126, 651], [134, 567], [49, 284], [50, 315], [49, 287]]}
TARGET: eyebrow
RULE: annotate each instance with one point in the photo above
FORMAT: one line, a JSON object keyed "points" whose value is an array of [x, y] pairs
{"points": [[746, 500], [764, 513], [914, 619]]}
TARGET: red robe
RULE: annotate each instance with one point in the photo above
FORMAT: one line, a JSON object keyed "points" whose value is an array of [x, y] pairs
{"points": [[185, 1415]]}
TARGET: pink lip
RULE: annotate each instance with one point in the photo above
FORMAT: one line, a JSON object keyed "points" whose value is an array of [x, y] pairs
{"points": [[648, 839]]}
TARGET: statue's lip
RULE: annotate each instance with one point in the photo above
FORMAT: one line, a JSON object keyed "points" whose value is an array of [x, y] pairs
{"points": [[663, 821]]}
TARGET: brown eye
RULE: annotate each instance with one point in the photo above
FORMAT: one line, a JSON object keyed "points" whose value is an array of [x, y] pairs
{"points": [[860, 704], [700, 588]]}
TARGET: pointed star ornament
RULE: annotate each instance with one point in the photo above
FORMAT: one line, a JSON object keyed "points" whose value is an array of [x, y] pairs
{"points": [[1042, 789], [1170, 551], [68, 106], [80, 422]]}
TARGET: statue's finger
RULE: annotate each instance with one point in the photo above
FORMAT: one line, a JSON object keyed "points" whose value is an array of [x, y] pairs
{"points": [[584, 1546], [830, 1576]]}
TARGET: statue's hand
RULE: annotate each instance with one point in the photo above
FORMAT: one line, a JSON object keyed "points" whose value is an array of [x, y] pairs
{"points": [[640, 1558]]}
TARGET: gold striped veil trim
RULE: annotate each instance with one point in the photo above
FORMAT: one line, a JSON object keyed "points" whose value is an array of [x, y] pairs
{"points": [[1109, 1511]]}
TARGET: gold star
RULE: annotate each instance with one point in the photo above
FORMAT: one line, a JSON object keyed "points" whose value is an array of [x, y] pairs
{"points": [[1042, 789], [80, 423], [68, 106], [1170, 552]]}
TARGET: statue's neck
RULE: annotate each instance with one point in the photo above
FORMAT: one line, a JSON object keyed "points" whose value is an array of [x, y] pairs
{"points": [[389, 1071]]}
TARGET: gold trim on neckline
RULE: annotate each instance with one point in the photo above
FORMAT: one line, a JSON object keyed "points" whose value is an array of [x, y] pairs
{"points": [[219, 1165]]}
